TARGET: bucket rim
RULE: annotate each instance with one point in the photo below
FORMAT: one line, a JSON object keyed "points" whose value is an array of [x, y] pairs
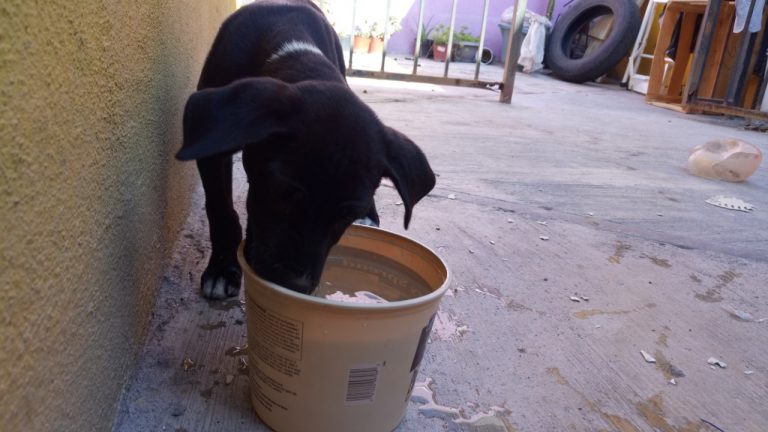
{"points": [[433, 296]]}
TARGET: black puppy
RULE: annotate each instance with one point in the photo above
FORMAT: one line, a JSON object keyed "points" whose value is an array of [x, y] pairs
{"points": [[273, 86]]}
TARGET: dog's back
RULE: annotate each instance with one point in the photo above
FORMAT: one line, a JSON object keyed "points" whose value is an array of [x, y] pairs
{"points": [[249, 37]]}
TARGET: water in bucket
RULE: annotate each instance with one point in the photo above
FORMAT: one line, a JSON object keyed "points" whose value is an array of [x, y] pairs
{"points": [[356, 276]]}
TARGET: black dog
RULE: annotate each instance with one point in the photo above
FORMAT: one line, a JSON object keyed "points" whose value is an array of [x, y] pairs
{"points": [[273, 86]]}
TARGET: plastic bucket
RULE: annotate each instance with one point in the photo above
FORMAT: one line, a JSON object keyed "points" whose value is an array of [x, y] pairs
{"points": [[320, 365]]}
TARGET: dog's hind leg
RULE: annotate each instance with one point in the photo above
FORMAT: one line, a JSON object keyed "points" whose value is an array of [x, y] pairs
{"points": [[221, 279]]}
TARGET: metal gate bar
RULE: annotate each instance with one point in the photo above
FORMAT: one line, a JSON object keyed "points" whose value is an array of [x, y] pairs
{"points": [[510, 62]]}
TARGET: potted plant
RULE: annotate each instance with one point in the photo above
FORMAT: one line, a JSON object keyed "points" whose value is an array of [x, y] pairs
{"points": [[362, 41], [426, 41], [440, 43], [466, 45], [377, 39]]}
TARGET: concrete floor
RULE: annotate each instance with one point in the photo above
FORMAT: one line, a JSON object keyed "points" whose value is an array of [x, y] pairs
{"points": [[602, 175]]}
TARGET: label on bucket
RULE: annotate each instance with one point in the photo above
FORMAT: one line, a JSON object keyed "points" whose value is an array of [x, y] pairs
{"points": [[361, 384], [279, 334]]}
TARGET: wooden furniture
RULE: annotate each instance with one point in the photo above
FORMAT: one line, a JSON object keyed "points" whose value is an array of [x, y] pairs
{"points": [[665, 83]]}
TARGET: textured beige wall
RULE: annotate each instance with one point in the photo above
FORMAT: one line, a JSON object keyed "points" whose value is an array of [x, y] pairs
{"points": [[91, 98]]}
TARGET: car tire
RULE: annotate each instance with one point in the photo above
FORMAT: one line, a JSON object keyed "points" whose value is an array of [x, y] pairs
{"points": [[569, 66]]}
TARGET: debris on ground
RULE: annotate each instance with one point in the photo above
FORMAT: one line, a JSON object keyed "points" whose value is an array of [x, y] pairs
{"points": [[739, 314], [510, 221], [237, 351], [748, 372], [715, 362], [575, 299], [452, 196], [399, 203], [545, 238], [673, 382], [731, 160], [542, 223], [187, 364], [730, 203], [648, 358], [491, 242]]}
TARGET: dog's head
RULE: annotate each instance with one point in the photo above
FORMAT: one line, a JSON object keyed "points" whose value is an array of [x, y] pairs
{"points": [[314, 155]]}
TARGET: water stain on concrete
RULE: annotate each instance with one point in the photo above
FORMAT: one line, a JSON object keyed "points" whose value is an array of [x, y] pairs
{"points": [[619, 423], [584, 314], [666, 367], [652, 410], [517, 307], [618, 253], [663, 263], [213, 326], [592, 312], [713, 295], [457, 420]]}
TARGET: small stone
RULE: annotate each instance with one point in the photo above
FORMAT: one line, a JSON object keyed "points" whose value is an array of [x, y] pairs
{"points": [[575, 299], [541, 223], [673, 382], [399, 203], [452, 196], [660, 214], [471, 251], [715, 362], [228, 379], [648, 358], [590, 214], [585, 298], [545, 238], [492, 242], [187, 364], [510, 221]]}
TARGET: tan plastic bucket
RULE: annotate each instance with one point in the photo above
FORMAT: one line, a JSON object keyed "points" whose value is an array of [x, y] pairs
{"points": [[325, 366]]}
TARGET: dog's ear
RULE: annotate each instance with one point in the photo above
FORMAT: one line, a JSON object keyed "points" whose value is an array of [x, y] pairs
{"points": [[407, 167], [226, 119]]}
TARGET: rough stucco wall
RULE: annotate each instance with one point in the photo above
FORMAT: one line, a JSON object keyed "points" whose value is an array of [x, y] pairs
{"points": [[91, 98]]}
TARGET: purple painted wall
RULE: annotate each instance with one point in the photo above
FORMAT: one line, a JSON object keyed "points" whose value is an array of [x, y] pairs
{"points": [[468, 13]]}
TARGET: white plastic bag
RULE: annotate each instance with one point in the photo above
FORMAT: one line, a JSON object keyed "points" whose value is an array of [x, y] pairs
{"points": [[532, 49], [508, 15], [725, 159]]}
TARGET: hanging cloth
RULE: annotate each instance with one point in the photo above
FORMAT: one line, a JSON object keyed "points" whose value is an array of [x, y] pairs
{"points": [[742, 9]]}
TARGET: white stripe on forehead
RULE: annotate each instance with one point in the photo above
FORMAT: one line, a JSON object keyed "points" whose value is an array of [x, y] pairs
{"points": [[294, 46]]}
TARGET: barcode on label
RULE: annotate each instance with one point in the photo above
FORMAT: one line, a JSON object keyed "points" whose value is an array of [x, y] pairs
{"points": [[361, 385]]}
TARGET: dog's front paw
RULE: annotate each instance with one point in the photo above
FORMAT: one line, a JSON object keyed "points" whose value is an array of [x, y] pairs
{"points": [[220, 281]]}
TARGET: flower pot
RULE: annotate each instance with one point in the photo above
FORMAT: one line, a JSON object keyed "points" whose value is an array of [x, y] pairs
{"points": [[440, 51], [376, 45], [426, 48], [466, 52], [361, 44]]}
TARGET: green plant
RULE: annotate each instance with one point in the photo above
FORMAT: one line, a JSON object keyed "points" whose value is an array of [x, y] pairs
{"points": [[426, 30], [465, 36], [363, 30], [442, 32], [440, 35]]}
